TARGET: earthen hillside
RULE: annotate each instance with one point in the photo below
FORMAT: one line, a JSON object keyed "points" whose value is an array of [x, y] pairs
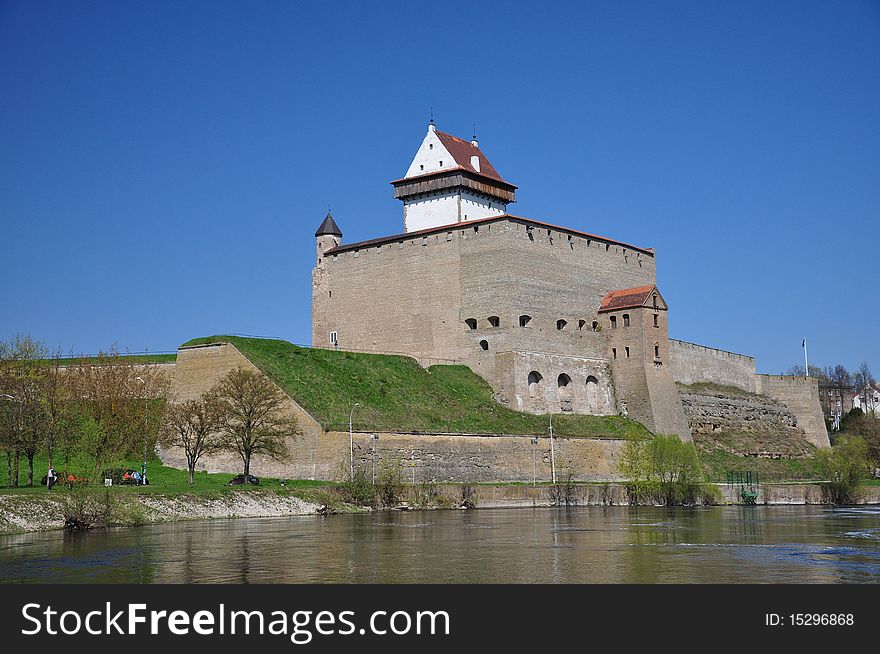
{"points": [[396, 394]]}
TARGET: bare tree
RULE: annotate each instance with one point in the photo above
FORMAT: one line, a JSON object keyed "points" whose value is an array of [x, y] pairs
{"points": [[24, 417], [59, 406], [253, 419], [192, 426], [863, 380], [120, 404]]}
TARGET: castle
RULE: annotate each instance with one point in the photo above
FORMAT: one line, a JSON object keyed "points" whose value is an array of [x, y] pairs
{"points": [[555, 319]]}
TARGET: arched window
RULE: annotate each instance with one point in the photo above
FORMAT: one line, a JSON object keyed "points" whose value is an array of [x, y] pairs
{"points": [[484, 345], [595, 325], [656, 350], [613, 320], [524, 320], [471, 323], [654, 298], [592, 394], [560, 324], [534, 383], [581, 324], [494, 321], [626, 320], [563, 382]]}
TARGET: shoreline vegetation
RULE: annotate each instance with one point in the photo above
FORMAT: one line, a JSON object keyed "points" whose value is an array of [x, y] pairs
{"points": [[110, 413], [36, 509]]}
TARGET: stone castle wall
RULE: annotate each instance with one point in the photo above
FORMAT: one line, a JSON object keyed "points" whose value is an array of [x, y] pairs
{"points": [[438, 295], [692, 363], [801, 395], [316, 454]]}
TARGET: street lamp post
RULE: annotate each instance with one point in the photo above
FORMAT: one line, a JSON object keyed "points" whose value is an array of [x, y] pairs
{"points": [[351, 442], [144, 466]]}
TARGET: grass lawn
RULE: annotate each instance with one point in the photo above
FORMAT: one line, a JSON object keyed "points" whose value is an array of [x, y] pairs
{"points": [[396, 394], [162, 478]]}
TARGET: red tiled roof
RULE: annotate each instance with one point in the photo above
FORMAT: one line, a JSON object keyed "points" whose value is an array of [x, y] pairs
{"points": [[462, 151], [626, 298], [345, 247]]}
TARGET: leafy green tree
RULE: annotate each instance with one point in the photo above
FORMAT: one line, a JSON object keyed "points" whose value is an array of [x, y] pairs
{"points": [[119, 406], [844, 466], [666, 463], [22, 373]]}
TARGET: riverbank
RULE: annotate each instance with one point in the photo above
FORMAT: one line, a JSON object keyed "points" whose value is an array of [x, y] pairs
{"points": [[20, 513], [42, 511]]}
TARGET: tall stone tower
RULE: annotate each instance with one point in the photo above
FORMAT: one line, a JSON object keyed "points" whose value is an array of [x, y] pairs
{"points": [[635, 321], [327, 236], [450, 181]]}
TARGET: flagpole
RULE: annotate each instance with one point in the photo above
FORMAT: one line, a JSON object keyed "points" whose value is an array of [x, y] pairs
{"points": [[806, 363]]}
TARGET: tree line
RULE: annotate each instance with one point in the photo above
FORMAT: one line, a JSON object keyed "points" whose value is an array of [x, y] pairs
{"points": [[110, 408], [861, 380]]}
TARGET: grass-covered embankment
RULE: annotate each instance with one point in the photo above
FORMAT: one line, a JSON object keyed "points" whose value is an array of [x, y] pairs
{"points": [[396, 394], [168, 497]]}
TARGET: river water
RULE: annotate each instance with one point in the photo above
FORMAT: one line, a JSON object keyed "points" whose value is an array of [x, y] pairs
{"points": [[763, 544]]}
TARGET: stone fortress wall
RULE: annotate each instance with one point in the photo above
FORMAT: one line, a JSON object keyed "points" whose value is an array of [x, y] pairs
{"points": [[505, 296], [692, 363], [318, 454]]}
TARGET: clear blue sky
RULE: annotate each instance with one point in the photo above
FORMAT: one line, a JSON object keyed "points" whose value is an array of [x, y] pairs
{"points": [[163, 166]]}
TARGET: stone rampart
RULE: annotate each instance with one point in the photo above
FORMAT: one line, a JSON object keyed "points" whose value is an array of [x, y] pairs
{"points": [[801, 395], [692, 363]]}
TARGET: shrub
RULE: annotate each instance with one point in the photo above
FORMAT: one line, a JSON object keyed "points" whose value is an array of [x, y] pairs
{"points": [[427, 495], [662, 470], [468, 497], [844, 466], [358, 490], [389, 485], [85, 509]]}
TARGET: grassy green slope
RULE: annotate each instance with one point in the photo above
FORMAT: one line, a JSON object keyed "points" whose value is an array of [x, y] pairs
{"points": [[396, 394]]}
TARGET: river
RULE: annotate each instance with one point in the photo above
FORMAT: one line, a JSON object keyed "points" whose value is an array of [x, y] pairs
{"points": [[762, 544]]}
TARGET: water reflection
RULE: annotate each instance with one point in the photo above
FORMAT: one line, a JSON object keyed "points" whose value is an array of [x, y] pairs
{"points": [[590, 544]]}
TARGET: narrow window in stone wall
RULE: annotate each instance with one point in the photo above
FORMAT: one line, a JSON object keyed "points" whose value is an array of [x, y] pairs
{"points": [[494, 321], [560, 324], [484, 345], [581, 324], [524, 320], [471, 323], [595, 325], [655, 300], [656, 350], [614, 352], [627, 352], [626, 320], [656, 320], [613, 320]]}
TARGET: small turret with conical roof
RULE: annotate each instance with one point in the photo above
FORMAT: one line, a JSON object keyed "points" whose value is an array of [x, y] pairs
{"points": [[329, 227], [328, 235]]}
